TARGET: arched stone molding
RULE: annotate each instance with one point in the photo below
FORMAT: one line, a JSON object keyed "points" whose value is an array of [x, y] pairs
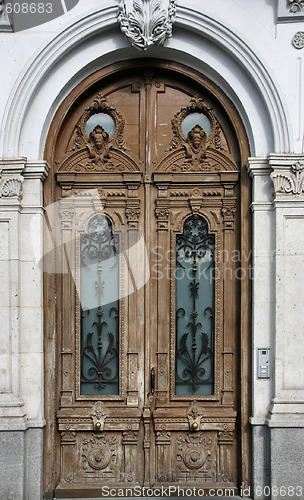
{"points": [[74, 53]]}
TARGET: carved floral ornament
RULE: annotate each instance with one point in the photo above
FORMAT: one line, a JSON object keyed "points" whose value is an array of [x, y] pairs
{"points": [[147, 24], [295, 6], [289, 181], [290, 10]]}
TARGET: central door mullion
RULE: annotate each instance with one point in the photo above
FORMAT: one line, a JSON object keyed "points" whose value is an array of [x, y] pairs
{"points": [[148, 296]]}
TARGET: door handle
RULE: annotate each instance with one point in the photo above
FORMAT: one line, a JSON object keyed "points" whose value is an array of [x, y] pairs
{"points": [[152, 380]]}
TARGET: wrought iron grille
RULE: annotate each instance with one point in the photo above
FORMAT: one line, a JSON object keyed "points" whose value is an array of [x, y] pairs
{"points": [[194, 365], [99, 295]]}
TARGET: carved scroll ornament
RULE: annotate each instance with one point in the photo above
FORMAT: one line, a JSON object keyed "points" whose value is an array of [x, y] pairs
{"points": [[98, 151], [146, 24]]}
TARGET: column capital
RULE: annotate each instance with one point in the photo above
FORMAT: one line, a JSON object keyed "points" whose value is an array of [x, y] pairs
{"points": [[258, 165], [287, 176]]}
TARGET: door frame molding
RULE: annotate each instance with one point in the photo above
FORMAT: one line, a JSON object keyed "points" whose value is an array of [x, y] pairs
{"points": [[51, 347]]}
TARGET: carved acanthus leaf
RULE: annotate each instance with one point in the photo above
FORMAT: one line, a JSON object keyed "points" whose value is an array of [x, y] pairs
{"points": [[228, 213], [147, 24], [162, 213], [132, 213]]}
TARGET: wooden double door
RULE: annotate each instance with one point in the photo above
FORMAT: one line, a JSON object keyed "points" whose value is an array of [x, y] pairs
{"points": [[146, 382]]}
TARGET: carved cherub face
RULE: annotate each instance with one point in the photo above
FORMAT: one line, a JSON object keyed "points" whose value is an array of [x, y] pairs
{"points": [[197, 136], [195, 413], [99, 137]]}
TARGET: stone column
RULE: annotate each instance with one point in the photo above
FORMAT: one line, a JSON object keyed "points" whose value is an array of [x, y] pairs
{"points": [[21, 328], [286, 419], [263, 245]]}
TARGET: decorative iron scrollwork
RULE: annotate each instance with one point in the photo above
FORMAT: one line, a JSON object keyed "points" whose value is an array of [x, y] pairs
{"points": [[194, 311], [99, 258]]}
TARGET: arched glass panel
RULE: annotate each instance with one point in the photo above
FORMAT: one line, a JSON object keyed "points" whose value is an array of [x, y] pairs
{"points": [[104, 120], [196, 119], [195, 288], [99, 295]]}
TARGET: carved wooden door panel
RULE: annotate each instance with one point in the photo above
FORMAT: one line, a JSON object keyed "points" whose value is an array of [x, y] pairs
{"points": [[147, 190]]}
